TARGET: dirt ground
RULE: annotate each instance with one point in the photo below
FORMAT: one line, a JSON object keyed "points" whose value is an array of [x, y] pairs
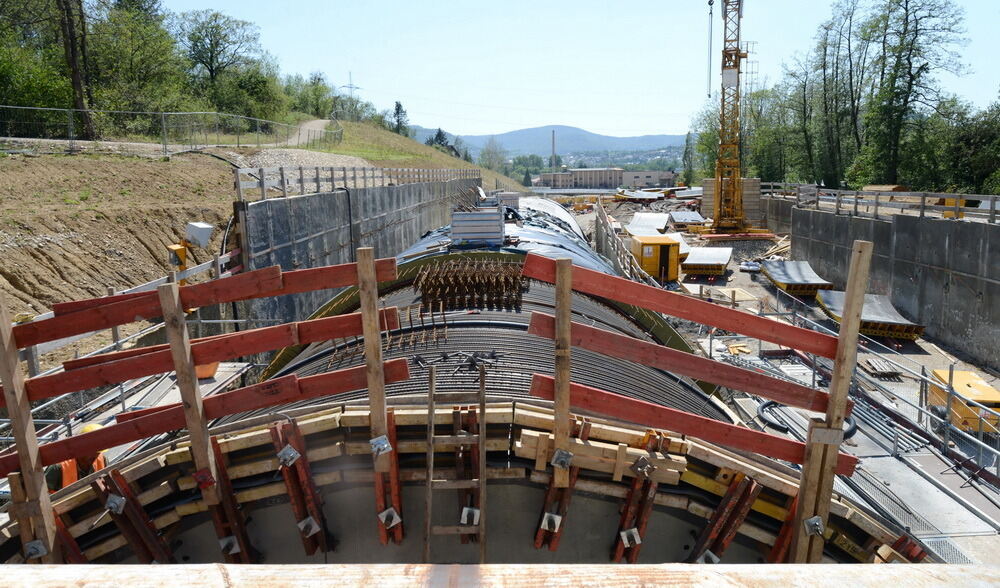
{"points": [[70, 226]]}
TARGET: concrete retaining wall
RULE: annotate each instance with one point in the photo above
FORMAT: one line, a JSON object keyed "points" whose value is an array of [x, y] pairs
{"points": [[300, 232], [941, 273]]}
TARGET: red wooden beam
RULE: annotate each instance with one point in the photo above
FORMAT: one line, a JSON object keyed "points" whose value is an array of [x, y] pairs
{"points": [[598, 284], [294, 491], [294, 282], [238, 287], [331, 276], [678, 421], [215, 349], [665, 358], [269, 393], [779, 551], [736, 518], [205, 350], [134, 414], [309, 331], [720, 517]]}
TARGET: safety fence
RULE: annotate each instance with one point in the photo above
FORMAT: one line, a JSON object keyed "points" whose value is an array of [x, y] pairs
{"points": [[60, 130], [872, 204], [273, 182], [609, 244], [966, 429]]}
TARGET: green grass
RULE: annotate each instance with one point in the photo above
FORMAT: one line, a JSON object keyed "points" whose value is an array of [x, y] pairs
{"points": [[387, 149]]}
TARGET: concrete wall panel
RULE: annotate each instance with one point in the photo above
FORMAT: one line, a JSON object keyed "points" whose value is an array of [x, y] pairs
{"points": [[300, 232], [941, 273]]}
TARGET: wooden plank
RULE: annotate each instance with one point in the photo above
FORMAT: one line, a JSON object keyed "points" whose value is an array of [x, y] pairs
{"points": [[817, 479], [331, 276], [238, 287], [220, 348], [609, 452], [719, 518], [368, 294], [599, 284], [269, 393], [175, 326], [561, 327], [737, 518], [35, 504], [135, 364], [665, 358], [638, 411]]}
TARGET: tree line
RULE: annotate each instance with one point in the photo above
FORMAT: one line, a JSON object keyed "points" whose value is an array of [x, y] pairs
{"points": [[865, 106], [133, 55]]}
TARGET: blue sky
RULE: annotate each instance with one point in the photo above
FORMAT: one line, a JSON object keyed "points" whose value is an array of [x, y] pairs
{"points": [[620, 68]]}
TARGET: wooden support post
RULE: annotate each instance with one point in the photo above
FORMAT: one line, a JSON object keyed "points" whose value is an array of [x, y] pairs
{"points": [[187, 382], [228, 515], [779, 551], [395, 487], [481, 474], [368, 294], [720, 517], [296, 496], [34, 507], [564, 307], [824, 436], [132, 520], [429, 490]]}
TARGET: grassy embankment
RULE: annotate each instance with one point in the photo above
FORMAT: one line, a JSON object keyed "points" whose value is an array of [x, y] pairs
{"points": [[387, 149]]}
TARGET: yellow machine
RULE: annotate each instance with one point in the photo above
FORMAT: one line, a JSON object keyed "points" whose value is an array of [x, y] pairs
{"points": [[972, 387], [950, 203], [658, 256]]}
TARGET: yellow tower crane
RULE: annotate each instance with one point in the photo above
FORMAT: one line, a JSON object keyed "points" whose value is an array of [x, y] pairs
{"points": [[728, 213]]}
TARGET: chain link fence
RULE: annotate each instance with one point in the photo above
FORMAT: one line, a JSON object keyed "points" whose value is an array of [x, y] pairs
{"points": [[60, 130]]}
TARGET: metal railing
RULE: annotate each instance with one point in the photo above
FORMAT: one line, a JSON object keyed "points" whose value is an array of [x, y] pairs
{"points": [[983, 444], [871, 203], [59, 130], [272, 182], [611, 246]]}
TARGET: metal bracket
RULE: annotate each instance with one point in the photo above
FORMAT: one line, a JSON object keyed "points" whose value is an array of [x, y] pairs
{"points": [[380, 445], [308, 526], [35, 549], [827, 435], [115, 504], [630, 537], [561, 459], [708, 558], [551, 522], [642, 467], [204, 478], [288, 456], [229, 545], [469, 512], [389, 517], [814, 526]]}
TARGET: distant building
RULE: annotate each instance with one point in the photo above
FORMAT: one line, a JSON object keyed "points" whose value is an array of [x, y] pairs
{"points": [[607, 178], [648, 179]]}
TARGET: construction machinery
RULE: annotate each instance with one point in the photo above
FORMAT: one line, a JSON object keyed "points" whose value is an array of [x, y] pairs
{"points": [[728, 213]]}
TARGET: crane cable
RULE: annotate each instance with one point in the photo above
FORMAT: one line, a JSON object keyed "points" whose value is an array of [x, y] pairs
{"points": [[708, 78]]}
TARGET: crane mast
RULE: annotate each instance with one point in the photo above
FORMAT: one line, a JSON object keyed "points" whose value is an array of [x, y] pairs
{"points": [[728, 203]]}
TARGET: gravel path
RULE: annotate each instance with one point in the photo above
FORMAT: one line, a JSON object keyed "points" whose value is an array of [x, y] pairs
{"points": [[294, 157]]}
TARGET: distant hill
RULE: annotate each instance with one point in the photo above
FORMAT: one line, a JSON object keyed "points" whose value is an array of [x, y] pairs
{"points": [[568, 140]]}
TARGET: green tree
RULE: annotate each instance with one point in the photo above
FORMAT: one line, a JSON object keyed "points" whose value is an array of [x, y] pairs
{"points": [[216, 43], [526, 180], [136, 63], [918, 37], [400, 120], [493, 156], [688, 175]]}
